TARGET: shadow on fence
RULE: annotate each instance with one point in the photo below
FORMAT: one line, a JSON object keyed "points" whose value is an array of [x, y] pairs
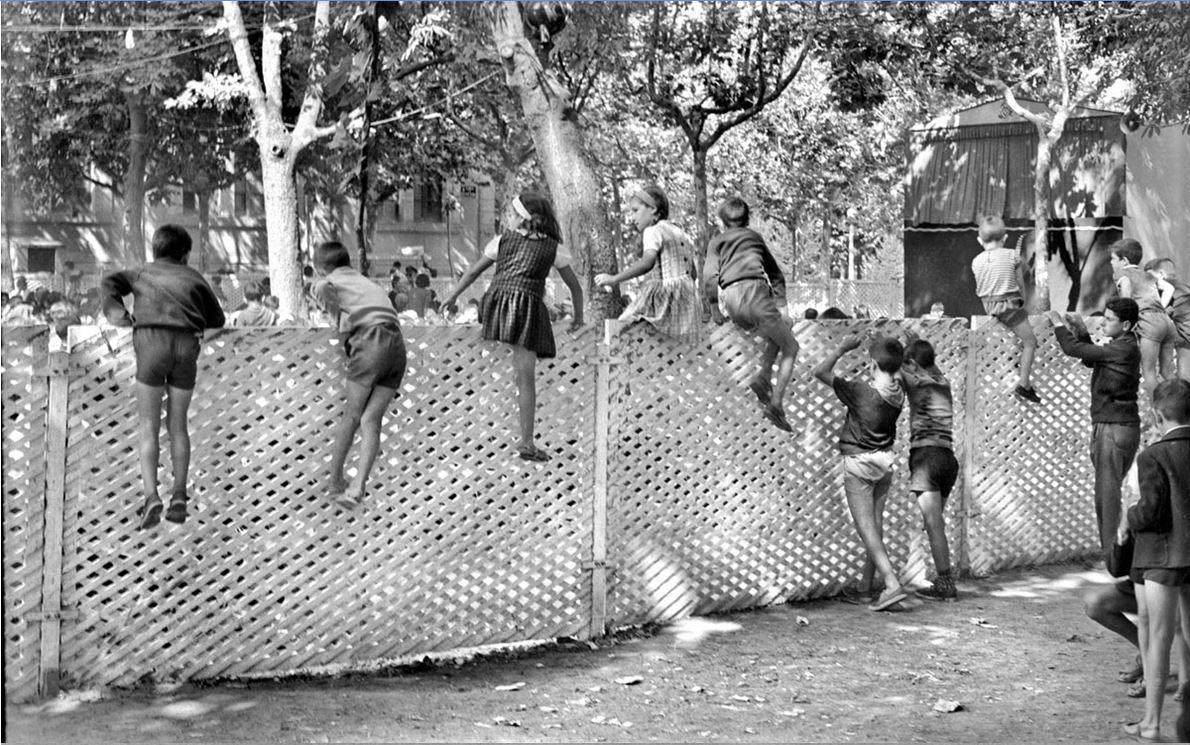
{"points": [[668, 495]]}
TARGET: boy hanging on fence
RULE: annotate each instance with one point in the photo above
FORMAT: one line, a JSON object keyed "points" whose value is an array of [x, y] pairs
{"points": [[1115, 417], [1154, 329], [866, 440], [1177, 305], [1160, 524], [375, 353], [173, 306], [740, 269], [998, 280], [933, 468]]}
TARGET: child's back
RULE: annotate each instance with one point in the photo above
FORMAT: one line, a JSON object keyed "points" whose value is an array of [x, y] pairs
{"points": [[995, 272], [166, 294], [1143, 287], [871, 423]]}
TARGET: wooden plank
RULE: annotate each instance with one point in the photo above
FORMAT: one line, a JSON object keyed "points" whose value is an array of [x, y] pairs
{"points": [[603, 372], [971, 445], [55, 501]]}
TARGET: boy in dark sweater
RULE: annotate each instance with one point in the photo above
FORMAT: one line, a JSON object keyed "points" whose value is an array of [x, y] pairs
{"points": [[866, 441], [173, 306], [1115, 418], [740, 269]]}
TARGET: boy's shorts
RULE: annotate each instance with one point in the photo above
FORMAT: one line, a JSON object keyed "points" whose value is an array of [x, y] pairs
{"points": [[750, 305], [867, 474], [1156, 325], [933, 468], [1176, 577], [376, 356], [1007, 309], [166, 356], [1182, 325]]}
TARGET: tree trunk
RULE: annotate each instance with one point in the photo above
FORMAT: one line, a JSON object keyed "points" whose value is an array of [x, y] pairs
{"points": [[281, 221], [558, 142], [1041, 172], [364, 220], [204, 229], [702, 227], [135, 250]]}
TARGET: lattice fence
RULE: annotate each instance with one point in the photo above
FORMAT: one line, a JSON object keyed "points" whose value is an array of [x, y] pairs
{"points": [[885, 299], [24, 457], [666, 484]]}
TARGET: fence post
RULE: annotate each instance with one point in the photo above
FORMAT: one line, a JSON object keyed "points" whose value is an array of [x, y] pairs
{"points": [[50, 614], [971, 445], [598, 562]]}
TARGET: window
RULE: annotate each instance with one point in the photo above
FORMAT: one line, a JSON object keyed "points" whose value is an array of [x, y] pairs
{"points": [[397, 207], [189, 201], [249, 199], [41, 260], [427, 201]]}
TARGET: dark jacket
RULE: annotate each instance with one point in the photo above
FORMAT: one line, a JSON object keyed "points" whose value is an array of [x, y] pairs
{"points": [[166, 294], [1161, 519], [1115, 377], [737, 254]]}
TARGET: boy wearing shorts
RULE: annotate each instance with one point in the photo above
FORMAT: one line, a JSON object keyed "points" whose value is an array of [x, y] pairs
{"points": [[933, 468], [1160, 524], [866, 441], [740, 271], [997, 273], [173, 306], [375, 351], [1177, 306], [1154, 329]]}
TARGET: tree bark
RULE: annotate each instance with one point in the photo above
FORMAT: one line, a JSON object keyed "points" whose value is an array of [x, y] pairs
{"points": [[204, 229], [561, 153], [702, 226], [135, 250], [364, 218]]}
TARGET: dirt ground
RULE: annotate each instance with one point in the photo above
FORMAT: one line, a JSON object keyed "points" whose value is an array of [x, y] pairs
{"points": [[1016, 652]]}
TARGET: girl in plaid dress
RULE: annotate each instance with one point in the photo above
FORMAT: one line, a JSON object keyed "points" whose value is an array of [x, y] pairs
{"points": [[513, 309], [669, 299]]}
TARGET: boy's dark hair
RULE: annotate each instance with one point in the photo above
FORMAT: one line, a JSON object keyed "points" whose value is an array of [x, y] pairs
{"points": [[810, 314], [541, 215], [887, 353], [991, 229], [254, 292], [1125, 309], [331, 255], [171, 242], [1128, 249], [655, 197], [307, 271], [410, 271], [1156, 264], [833, 314], [400, 301], [422, 281], [1172, 399], [734, 213], [921, 352], [4, 297]]}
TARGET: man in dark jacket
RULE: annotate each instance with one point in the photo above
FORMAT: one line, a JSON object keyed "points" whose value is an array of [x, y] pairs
{"points": [[173, 306]]}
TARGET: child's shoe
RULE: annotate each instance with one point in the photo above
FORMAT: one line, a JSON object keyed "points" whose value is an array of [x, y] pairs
{"points": [[943, 589], [762, 390], [150, 512], [890, 597], [1027, 394], [777, 416], [177, 507]]}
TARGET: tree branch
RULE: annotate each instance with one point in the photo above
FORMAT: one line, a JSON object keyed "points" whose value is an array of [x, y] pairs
{"points": [[665, 103], [306, 130], [270, 65], [1010, 99], [488, 141], [238, 36], [1063, 73]]}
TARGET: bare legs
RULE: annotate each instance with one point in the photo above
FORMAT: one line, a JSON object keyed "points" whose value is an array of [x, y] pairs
{"points": [[148, 413], [931, 505], [524, 365], [867, 511], [364, 411], [1150, 360], [1025, 333]]}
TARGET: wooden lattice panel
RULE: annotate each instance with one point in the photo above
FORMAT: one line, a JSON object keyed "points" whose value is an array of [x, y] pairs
{"points": [[713, 509], [1033, 497], [23, 455], [461, 543]]}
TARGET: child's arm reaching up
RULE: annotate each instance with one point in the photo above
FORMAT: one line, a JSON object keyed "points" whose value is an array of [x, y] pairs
{"points": [[576, 294], [825, 370], [479, 267], [115, 286]]}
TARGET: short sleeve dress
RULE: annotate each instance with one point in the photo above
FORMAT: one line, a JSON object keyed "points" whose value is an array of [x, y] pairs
{"points": [[668, 299], [513, 309]]}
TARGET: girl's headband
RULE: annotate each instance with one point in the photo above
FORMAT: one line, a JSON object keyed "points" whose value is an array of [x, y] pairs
{"points": [[519, 207], [645, 198]]}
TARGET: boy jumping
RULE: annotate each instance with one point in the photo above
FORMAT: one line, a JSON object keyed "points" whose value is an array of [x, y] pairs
{"points": [[375, 353], [998, 283], [740, 266], [173, 305], [866, 441]]}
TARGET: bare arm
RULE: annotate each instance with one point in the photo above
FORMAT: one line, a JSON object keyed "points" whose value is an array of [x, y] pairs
{"points": [[825, 370], [479, 267], [643, 265]]}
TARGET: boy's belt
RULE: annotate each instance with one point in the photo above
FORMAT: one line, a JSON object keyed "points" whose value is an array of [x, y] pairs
{"points": [[725, 285]]}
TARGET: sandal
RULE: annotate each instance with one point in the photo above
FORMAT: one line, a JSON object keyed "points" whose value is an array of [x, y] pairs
{"points": [[532, 453], [890, 597], [775, 415], [1133, 729], [1137, 689], [150, 513], [177, 508], [762, 390], [1131, 676], [852, 596]]}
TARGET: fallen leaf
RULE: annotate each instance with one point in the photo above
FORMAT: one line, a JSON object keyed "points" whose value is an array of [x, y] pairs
{"points": [[595, 689], [548, 709], [511, 686], [749, 730], [792, 713], [982, 623], [630, 680], [803, 621], [1075, 638], [947, 707], [506, 722], [744, 699]]}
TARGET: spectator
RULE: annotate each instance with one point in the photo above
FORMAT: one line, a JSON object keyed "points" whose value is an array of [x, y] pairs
{"points": [[74, 278], [233, 292], [254, 312], [19, 312], [833, 314], [419, 299], [937, 311], [810, 314]]}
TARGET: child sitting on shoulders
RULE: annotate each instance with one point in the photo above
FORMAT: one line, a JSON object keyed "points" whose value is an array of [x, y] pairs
{"points": [[375, 351]]}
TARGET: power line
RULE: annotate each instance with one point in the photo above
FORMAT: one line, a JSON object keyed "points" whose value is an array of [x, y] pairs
{"points": [[410, 114]]}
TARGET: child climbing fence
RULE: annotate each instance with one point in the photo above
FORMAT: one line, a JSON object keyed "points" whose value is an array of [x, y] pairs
{"points": [[673, 496]]}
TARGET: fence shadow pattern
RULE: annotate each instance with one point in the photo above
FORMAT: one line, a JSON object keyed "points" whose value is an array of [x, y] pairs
{"points": [[679, 494]]}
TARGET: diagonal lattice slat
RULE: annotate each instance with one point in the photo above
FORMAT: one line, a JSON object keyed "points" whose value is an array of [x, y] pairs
{"points": [[23, 456]]}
